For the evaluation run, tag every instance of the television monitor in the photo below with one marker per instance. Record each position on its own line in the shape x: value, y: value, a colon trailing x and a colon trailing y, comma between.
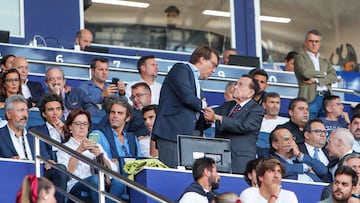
x: 4, y: 36
x: 191, y: 148
x: 247, y: 61
x: 97, y: 49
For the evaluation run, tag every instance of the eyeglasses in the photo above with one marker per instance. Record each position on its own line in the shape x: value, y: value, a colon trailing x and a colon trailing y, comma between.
x: 79, y: 123
x: 213, y: 63
x: 286, y: 138
x: 137, y: 96
x: 12, y: 80
x: 318, y: 131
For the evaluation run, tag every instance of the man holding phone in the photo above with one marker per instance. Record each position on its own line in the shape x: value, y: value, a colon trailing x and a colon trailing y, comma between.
x: 97, y: 88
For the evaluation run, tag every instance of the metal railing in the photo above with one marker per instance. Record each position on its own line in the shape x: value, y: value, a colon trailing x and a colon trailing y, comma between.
x: 102, y: 171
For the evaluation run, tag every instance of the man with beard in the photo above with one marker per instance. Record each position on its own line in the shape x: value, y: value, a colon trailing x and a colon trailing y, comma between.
x: 261, y: 77
x: 73, y: 97
x: 206, y: 180
x: 117, y: 143
x: 148, y: 70
x: 299, y: 166
x: 353, y: 161
x: 354, y: 127
x: 299, y: 114
x: 15, y: 142
x: 344, y: 184
x: 271, y: 119
x: 268, y: 173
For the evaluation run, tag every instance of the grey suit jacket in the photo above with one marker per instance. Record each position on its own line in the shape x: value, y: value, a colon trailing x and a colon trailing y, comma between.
x: 304, y: 69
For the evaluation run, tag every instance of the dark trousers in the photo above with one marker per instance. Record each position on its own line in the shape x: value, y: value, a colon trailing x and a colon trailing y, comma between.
x: 167, y: 152
x: 59, y: 179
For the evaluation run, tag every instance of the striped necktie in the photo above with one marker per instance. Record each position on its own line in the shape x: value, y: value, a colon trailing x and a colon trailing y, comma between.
x: 236, y: 109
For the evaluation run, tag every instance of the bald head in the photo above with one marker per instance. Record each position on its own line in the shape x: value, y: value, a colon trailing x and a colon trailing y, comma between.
x: 84, y: 38
x: 20, y: 63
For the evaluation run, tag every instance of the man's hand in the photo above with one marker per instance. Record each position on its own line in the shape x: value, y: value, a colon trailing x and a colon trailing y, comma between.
x: 109, y: 90
x: 48, y: 166
x: 209, y: 115
x: 310, y: 81
x: 121, y: 87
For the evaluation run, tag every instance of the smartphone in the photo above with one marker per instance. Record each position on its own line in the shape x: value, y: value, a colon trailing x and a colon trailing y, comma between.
x: 94, y: 137
x: 115, y: 81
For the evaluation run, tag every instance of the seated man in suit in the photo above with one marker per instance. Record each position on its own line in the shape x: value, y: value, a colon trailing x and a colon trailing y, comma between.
x: 32, y: 90
x: 140, y: 97
x: 51, y: 110
x: 315, y: 141
x: 239, y: 121
x: 299, y: 166
x: 340, y: 143
x: 73, y: 97
x: 15, y: 142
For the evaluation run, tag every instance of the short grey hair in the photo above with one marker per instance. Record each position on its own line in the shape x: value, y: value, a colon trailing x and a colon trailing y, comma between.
x: 53, y: 68
x: 9, y: 102
x: 353, y: 155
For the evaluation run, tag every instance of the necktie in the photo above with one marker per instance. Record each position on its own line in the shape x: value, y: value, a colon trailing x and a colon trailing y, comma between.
x: 316, y: 153
x: 23, y: 142
x: 235, y: 110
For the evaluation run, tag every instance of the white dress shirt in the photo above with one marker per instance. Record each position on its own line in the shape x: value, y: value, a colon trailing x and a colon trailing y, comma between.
x: 18, y: 144
x: 82, y: 170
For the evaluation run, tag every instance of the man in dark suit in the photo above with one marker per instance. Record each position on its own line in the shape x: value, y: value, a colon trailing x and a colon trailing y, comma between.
x: 299, y: 166
x: 32, y: 90
x: 181, y: 103
x: 315, y: 141
x: 15, y: 142
x: 314, y: 74
x: 240, y: 121
x: 51, y: 109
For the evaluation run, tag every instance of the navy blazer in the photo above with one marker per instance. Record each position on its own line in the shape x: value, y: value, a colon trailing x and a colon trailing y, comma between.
x: 178, y: 104
x: 242, y: 130
x: 7, y: 149
x: 45, y: 149
x: 293, y: 170
x: 37, y: 91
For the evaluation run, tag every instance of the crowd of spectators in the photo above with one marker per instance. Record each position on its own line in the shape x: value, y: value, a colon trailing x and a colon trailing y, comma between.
x: 143, y: 118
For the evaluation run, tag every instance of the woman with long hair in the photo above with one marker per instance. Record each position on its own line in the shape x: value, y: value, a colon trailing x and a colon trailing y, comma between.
x: 9, y: 85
